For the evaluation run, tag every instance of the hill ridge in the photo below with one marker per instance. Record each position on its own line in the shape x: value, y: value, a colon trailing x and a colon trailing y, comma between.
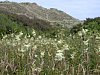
x: 32, y: 10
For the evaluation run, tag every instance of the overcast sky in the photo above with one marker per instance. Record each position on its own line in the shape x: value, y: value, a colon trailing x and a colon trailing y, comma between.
x: 80, y: 9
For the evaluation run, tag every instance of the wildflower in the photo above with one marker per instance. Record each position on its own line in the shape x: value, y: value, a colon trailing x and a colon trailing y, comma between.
x: 59, y: 55
x: 13, y: 44
x: 36, y: 55
x: 17, y: 37
x: 5, y: 37
x: 20, y: 34
x: 99, y: 49
x: 96, y: 71
x: 56, y: 36
x: 55, y: 39
x: 21, y: 50
x: 12, y: 35
x: 38, y: 69
x: 73, y: 55
x: 60, y: 41
x: 97, y: 37
x: 27, y: 45
x: 70, y: 35
x: 84, y: 31
x: 8, y: 42
x: 80, y: 33
x: 26, y: 40
x: 28, y: 36
x: 35, y: 47
x: 59, y: 51
x: 39, y: 37
x: 42, y: 54
x: 31, y: 39
x: 86, y: 42
x: 34, y: 33
x: 86, y: 50
x: 65, y: 47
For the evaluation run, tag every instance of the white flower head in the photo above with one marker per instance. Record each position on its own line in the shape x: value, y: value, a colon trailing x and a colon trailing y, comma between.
x: 27, y: 45
x: 4, y: 37
x: 38, y: 69
x: 42, y: 54
x: 34, y: 33
x: 8, y: 43
x: 17, y: 37
x: 59, y: 51
x: 55, y: 39
x: 40, y: 37
x: 59, y: 55
x: 20, y: 34
x: 97, y: 37
x: 86, y: 42
x: 80, y: 33
x: 21, y: 50
x: 28, y: 36
x: 86, y: 50
x: 99, y: 48
x: 84, y: 31
x: 66, y: 47
x: 12, y: 35
x: 35, y: 47
x: 73, y: 55
x: 60, y: 41
x: 36, y: 55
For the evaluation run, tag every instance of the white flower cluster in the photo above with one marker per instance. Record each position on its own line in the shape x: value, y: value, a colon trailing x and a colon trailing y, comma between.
x: 73, y: 55
x: 83, y: 32
x: 86, y: 42
x: 65, y: 47
x: 33, y: 32
x: 18, y: 36
x: 99, y: 48
x: 59, y: 55
x: 60, y: 41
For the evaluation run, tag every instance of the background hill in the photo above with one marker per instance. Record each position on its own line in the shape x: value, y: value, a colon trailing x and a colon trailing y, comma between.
x: 32, y: 10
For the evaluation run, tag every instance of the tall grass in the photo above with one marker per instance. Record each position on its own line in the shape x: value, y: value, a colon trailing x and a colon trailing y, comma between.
x: 77, y: 54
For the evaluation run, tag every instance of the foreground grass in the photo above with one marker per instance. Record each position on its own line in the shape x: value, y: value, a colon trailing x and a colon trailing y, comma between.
x: 77, y: 54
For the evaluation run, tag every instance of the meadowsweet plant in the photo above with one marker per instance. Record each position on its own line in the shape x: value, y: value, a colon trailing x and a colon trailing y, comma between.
x: 37, y: 54
x: 59, y: 55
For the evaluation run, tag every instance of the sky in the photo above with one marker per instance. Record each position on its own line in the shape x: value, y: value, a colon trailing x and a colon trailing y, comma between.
x: 80, y: 9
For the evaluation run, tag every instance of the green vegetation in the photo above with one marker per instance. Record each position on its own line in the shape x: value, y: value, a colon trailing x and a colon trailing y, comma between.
x: 12, y: 23
x: 45, y: 51
x: 92, y: 24
x: 8, y: 26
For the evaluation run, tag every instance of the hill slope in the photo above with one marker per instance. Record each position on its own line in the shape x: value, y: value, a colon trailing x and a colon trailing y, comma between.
x: 31, y: 10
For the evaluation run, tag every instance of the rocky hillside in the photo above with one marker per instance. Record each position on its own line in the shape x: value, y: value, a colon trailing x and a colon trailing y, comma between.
x: 32, y: 10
